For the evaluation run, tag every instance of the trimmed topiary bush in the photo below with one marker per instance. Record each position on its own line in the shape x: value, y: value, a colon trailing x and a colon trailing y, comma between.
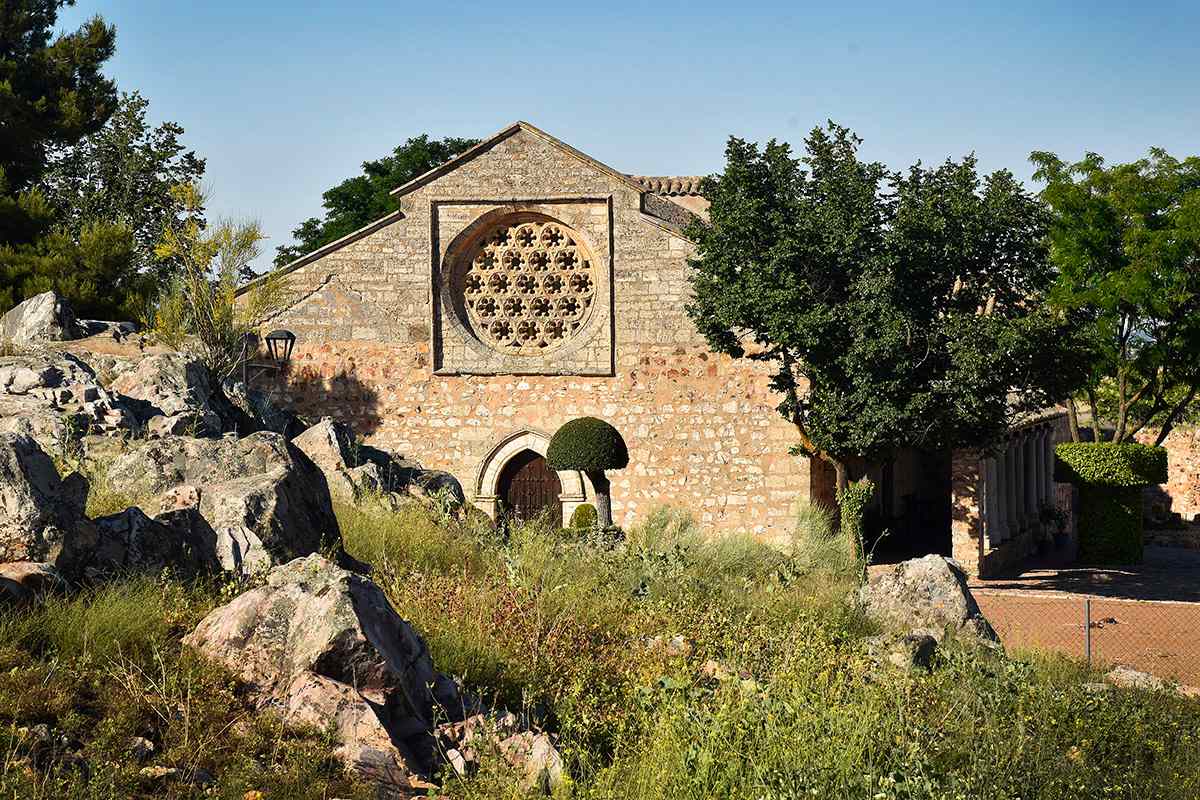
x: 1110, y: 478
x: 1110, y: 464
x: 590, y: 446
x: 584, y: 517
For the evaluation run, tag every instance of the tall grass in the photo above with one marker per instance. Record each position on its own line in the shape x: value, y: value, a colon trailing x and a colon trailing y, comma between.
x: 672, y: 664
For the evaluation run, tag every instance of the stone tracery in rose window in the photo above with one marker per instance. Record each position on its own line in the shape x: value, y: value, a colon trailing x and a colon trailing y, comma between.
x: 528, y: 286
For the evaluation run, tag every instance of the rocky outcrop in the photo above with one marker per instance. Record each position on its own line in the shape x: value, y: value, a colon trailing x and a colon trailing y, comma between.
x: 43, y: 318
x: 322, y: 645
x: 263, y: 500
x: 353, y: 469
x: 170, y: 393
x: 927, y: 593
x: 56, y: 398
x: 247, y: 410
x: 39, y: 512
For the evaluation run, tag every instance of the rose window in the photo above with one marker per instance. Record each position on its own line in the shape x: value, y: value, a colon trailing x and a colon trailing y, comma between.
x: 527, y: 286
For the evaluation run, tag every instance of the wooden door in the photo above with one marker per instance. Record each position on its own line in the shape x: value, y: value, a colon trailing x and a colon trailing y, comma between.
x: 528, y: 487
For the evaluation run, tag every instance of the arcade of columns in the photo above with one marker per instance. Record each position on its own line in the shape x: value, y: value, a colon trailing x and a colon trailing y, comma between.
x: 1016, y: 483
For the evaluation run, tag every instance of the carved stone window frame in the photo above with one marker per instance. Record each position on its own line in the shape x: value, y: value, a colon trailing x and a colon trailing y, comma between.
x: 455, y: 227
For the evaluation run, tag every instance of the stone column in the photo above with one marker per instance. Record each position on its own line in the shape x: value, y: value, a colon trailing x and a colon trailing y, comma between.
x: 991, y: 505
x: 966, y: 510
x: 1032, y: 476
x: 1019, y: 481
x: 1000, y: 470
x: 1037, y: 464
x: 1048, y: 456
x: 1010, y: 489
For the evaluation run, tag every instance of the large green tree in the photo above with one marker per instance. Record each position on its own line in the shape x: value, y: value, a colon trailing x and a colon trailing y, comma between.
x: 360, y: 200
x: 1126, y: 243
x: 898, y: 309
x: 52, y: 94
x: 124, y: 173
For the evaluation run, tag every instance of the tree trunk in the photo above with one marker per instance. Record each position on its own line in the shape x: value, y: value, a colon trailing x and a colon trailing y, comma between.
x: 1095, y: 409
x: 603, y: 499
x: 843, y: 481
x: 1073, y: 419
x: 1169, y: 423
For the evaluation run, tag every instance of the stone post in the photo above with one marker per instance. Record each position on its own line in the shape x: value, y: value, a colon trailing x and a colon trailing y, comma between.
x: 966, y: 501
x: 1019, y: 482
x: 991, y: 505
x: 1010, y: 489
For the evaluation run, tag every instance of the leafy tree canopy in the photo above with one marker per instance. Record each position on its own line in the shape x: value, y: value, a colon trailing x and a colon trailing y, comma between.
x: 899, y: 309
x: 1126, y: 242
x: 124, y: 173
x: 360, y: 200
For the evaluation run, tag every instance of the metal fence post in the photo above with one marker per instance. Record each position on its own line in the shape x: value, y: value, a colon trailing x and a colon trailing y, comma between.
x: 1087, y: 629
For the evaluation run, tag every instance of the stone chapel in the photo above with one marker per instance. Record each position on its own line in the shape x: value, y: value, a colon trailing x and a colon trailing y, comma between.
x: 523, y: 284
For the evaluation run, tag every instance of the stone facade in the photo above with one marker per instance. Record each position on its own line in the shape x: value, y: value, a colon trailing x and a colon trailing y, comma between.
x: 387, y: 342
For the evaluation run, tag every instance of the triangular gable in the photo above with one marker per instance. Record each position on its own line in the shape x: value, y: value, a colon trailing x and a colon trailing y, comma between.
x: 501, y: 135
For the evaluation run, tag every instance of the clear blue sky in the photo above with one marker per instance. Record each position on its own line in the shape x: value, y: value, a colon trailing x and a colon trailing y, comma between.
x: 287, y: 98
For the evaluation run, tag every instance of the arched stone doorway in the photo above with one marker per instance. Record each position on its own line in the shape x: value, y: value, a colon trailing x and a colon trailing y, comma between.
x: 490, y: 491
x: 528, y: 487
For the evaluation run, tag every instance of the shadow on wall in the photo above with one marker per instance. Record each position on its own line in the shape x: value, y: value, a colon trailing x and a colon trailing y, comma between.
x: 306, y: 391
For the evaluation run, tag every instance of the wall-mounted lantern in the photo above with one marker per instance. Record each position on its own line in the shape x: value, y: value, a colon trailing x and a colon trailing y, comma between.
x: 279, y: 344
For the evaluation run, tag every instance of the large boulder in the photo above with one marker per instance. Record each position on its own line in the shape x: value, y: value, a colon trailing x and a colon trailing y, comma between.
x: 263, y: 500
x: 131, y: 541
x: 39, y: 512
x: 323, y: 646
x: 171, y: 391
x: 43, y: 318
x: 928, y: 593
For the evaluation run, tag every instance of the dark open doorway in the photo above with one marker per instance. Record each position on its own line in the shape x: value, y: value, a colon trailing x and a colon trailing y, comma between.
x: 528, y: 487
x: 912, y: 512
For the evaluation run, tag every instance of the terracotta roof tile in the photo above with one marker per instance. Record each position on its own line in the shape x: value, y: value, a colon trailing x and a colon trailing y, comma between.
x: 669, y: 184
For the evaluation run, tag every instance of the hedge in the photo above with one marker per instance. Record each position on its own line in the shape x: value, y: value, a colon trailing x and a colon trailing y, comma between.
x: 1110, y: 478
x: 587, y: 444
x: 1110, y: 464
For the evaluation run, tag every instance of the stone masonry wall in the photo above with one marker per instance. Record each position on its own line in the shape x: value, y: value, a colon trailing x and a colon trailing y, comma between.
x: 702, y: 430
x: 1181, y: 493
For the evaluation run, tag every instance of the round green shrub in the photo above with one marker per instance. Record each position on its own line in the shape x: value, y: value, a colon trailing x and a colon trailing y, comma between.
x: 587, y: 444
x: 1109, y: 464
x: 584, y: 517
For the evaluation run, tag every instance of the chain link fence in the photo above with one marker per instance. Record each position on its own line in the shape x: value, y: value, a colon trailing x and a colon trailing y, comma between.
x: 1158, y: 637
